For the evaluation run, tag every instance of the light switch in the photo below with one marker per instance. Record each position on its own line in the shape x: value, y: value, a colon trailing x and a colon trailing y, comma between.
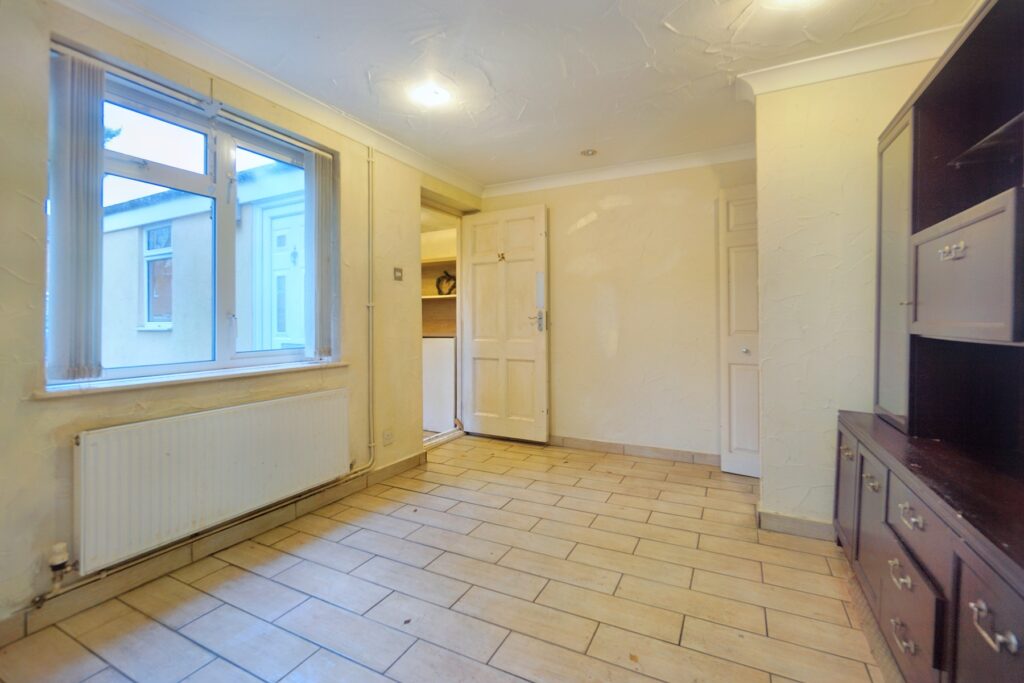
x: 399, y: 274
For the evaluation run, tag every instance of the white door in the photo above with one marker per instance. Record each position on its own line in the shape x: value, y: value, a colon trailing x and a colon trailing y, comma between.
x: 738, y: 331
x: 503, y: 300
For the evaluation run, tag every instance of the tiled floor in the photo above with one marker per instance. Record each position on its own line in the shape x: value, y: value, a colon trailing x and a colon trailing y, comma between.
x: 493, y: 562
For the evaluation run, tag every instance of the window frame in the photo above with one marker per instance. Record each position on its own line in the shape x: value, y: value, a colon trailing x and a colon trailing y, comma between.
x: 224, y: 133
x: 149, y: 255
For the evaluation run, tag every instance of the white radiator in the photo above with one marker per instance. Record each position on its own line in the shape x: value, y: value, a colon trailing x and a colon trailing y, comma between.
x: 140, y: 486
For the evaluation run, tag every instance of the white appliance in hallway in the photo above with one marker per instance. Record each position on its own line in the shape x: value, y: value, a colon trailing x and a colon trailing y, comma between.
x: 438, y: 384
x: 504, y: 362
x: 738, y: 331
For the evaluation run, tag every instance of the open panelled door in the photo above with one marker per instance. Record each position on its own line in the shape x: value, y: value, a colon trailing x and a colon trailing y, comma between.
x: 503, y: 299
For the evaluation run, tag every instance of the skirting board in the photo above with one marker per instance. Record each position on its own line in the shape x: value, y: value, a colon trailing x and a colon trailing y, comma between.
x: 90, y: 593
x: 632, y: 449
x: 797, y: 526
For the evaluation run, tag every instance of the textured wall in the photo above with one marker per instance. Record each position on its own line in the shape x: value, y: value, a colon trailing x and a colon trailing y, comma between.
x: 35, y: 433
x: 634, y: 308
x: 816, y: 176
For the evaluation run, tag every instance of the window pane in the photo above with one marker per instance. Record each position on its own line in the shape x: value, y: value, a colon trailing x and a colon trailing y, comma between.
x: 158, y: 275
x: 270, y: 252
x: 153, y: 139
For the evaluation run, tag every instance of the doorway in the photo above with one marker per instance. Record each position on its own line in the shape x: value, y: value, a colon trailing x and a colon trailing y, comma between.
x: 439, y: 233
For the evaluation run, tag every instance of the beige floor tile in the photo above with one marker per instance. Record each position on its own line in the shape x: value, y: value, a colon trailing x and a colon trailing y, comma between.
x: 686, y: 539
x: 696, y: 479
x: 542, y: 662
x: 449, y: 629
x: 432, y: 500
x: 330, y: 509
x: 504, y: 580
x: 410, y: 484
x: 477, y: 548
x: 725, y: 611
x: 170, y: 601
x: 726, y: 517
x: 477, y: 466
x: 799, y: 543
x: 65, y: 661
x: 656, y: 505
x: 840, y: 567
x: 451, y: 479
x: 220, y: 671
x: 785, y: 659
x: 502, y: 517
x: 350, y: 635
x: 617, y: 611
x: 332, y: 586
x: 783, y: 599
x: 809, y: 582
x: 252, y: 644
x: 323, y: 527
x: 333, y: 555
x: 530, y: 618
x: 426, y: 663
x: 736, y: 496
x: 521, y: 494
x: 440, y: 469
x: 702, y: 526
x: 700, y: 559
x: 519, y: 463
x: 574, y: 573
x: 385, y: 524
x: 838, y: 640
x: 394, y: 548
x: 571, y: 491
x: 114, y: 676
x: 475, y: 497
x: 764, y: 553
x: 707, y: 503
x: 580, y: 534
x: 526, y: 540
x: 441, y: 520
x: 197, y: 570
x: 605, y: 509
x: 544, y: 477
x: 257, y: 558
x: 370, y: 503
x: 495, y: 478
x: 94, y: 617
x: 628, y: 471
x: 440, y: 590
x: 144, y: 649
x: 668, y: 662
x: 558, y: 514
x: 612, y: 487
x: 583, y: 471
x: 274, y: 535
x: 247, y: 591
x: 327, y: 667
x: 669, y: 486
x: 643, y: 567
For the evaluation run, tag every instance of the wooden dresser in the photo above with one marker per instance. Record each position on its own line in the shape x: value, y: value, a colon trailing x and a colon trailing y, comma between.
x: 930, y: 487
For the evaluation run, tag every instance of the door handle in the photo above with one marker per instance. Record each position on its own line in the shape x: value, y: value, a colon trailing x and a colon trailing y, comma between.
x: 996, y: 641
x: 540, y: 320
x: 745, y: 350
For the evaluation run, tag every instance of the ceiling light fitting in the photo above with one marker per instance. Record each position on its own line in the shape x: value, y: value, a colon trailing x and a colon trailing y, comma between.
x: 588, y: 152
x: 429, y: 94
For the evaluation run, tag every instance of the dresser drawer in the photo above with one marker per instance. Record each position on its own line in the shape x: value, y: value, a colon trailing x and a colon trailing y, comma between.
x: 874, y: 538
x: 847, y: 476
x: 967, y: 272
x: 911, y: 616
x: 931, y: 541
x: 990, y: 627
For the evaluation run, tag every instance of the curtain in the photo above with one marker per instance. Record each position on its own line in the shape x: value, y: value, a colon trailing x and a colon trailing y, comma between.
x: 75, y: 229
x: 324, y: 235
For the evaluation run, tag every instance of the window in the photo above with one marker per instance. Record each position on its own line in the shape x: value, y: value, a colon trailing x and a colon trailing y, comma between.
x: 180, y: 240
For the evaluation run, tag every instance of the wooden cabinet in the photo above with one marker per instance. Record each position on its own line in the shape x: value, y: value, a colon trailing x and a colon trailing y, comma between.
x: 928, y: 541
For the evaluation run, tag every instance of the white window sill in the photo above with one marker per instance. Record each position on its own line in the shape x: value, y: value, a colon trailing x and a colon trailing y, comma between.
x: 155, y: 327
x: 102, y: 386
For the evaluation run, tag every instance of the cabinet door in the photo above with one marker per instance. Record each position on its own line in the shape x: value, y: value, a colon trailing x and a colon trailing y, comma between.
x: 875, y: 542
x: 894, y: 222
x: 846, y: 493
x: 990, y: 627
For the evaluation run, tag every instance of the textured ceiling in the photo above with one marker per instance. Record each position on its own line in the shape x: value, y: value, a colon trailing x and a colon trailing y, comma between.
x: 535, y: 81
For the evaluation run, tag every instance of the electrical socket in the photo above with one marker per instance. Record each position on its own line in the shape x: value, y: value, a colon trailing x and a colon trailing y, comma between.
x: 389, y: 437
x: 399, y: 274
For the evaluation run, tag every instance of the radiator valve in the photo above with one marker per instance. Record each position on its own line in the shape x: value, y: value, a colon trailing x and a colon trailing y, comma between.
x: 60, y: 564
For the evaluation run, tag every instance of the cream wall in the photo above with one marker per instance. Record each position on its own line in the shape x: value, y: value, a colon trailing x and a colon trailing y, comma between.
x: 36, y: 434
x: 634, y: 309
x: 816, y: 176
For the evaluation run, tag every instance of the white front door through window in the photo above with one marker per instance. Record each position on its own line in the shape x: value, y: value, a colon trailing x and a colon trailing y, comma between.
x: 503, y: 295
x: 738, y: 331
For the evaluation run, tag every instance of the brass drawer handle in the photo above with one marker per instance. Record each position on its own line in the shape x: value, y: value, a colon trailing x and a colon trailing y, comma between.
x: 997, y: 641
x: 906, y: 646
x: 909, y: 519
x: 899, y: 581
x: 846, y: 452
x: 871, y: 482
